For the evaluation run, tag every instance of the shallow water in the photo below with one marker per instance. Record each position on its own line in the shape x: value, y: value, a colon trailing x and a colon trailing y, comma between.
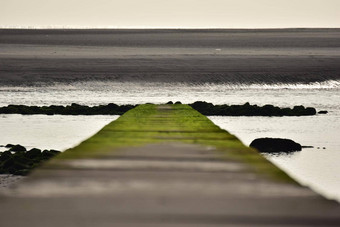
x: 49, y: 132
x: 103, y: 92
x: 317, y: 168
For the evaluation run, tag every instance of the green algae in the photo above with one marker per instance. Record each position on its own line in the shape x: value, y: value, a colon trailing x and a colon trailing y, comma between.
x: 147, y: 124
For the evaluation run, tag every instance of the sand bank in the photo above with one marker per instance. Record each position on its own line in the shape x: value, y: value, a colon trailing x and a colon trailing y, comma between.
x: 229, y: 56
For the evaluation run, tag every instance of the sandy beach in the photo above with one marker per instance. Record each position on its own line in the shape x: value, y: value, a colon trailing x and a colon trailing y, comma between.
x: 195, y: 56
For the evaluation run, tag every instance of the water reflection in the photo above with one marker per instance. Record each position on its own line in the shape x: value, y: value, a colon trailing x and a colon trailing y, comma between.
x: 279, y: 154
x: 99, y: 92
x: 313, y: 167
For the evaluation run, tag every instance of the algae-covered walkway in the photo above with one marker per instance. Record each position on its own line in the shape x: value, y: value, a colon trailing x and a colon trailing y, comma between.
x: 164, y: 165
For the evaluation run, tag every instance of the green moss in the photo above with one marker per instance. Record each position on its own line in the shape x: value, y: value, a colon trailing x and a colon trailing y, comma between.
x: 150, y: 123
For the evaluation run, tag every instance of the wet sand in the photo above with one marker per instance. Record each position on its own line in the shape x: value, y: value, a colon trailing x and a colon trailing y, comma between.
x: 8, y: 180
x: 194, y: 56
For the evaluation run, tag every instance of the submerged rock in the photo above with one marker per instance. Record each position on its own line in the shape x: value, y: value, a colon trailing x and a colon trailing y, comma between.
x: 272, y: 145
x: 323, y: 112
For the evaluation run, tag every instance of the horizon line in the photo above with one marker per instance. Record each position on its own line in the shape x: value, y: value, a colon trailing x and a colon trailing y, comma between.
x: 160, y: 28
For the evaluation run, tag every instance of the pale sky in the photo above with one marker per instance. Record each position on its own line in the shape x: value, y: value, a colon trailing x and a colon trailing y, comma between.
x: 170, y: 13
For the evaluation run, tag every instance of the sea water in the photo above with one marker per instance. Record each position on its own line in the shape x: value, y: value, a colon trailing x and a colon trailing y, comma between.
x: 315, y: 167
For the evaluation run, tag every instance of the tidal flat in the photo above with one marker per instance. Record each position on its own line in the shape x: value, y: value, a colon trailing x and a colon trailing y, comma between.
x: 173, y: 55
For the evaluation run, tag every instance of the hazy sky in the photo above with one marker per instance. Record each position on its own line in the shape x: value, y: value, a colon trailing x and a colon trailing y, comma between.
x: 170, y: 13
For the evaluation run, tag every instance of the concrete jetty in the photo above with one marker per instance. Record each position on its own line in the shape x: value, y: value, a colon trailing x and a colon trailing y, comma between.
x: 163, y: 165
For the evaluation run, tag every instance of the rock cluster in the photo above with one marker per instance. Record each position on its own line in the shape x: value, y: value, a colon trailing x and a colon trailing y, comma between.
x: 250, y: 110
x: 204, y: 108
x: 73, y: 109
x: 18, y: 161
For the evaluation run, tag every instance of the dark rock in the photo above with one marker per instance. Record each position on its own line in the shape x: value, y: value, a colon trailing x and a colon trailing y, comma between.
x: 205, y: 108
x: 17, y: 148
x: 5, y: 156
x: 33, y: 153
x: 202, y: 107
x: 73, y: 109
x: 178, y: 102
x: 9, y: 145
x: 310, y: 111
x: 169, y: 103
x: 270, y: 145
x: 8, y: 163
x: 55, y: 152
x: 21, y: 162
x: 250, y: 110
x: 46, y: 154
x: 16, y: 166
x: 323, y: 112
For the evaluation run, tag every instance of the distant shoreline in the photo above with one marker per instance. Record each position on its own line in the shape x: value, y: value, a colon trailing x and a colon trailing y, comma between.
x: 176, y: 29
x: 293, y: 55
